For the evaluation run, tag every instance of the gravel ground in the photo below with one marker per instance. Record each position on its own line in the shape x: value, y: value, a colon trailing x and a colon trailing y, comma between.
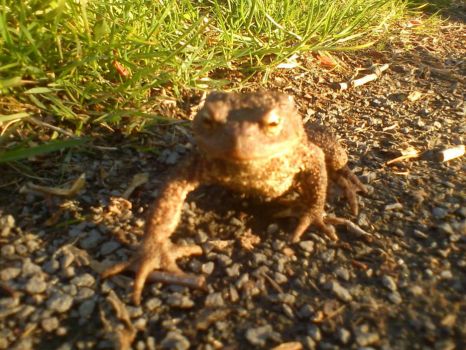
x: 401, y: 288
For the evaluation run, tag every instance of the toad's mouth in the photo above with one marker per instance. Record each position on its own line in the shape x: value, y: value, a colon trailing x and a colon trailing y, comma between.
x: 249, y: 152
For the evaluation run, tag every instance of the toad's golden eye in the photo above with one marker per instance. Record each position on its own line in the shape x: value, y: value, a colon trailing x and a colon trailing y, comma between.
x: 272, y: 121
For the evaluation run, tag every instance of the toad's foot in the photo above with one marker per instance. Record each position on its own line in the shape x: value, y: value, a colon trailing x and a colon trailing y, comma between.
x: 350, y: 184
x: 316, y: 220
x: 155, y: 255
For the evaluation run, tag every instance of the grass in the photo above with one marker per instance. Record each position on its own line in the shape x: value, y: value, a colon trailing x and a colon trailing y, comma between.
x: 80, y: 65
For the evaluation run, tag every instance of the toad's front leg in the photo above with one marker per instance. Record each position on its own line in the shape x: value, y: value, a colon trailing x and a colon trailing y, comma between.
x: 157, y: 252
x: 313, y: 183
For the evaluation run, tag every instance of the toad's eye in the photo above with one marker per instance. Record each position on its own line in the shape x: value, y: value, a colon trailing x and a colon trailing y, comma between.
x: 212, y: 115
x: 272, y: 121
x: 207, y: 119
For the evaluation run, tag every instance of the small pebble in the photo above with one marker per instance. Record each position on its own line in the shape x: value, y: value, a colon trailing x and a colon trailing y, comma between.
x: 446, y: 228
x: 9, y: 273
x: 328, y: 256
x: 140, y: 324
x: 439, y: 213
x: 50, y: 324
x: 339, y: 291
x: 394, y: 206
x: 134, y: 311
x: 314, y: 332
x: 60, y: 302
x: 153, y: 304
x: 365, y: 338
x: 446, y: 275
x: 208, y: 267
x: 109, y: 247
x: 91, y: 241
x: 36, y: 285
x: 343, y: 335
x: 21, y: 249
x: 342, y: 273
x: 258, y: 336
x: 214, y: 300
x: 84, y: 280
x: 175, y: 341
x: 85, y: 293
x: 307, y: 246
x: 280, y: 278
x: 233, y: 270
x: 51, y: 266
x: 395, y: 298
x: 309, y: 343
x: 30, y: 269
x: 180, y: 300
x: 288, y: 311
x: 69, y: 272
x: 87, y: 308
x: 234, y: 296
x: 306, y: 311
x: 389, y: 283
x: 259, y: 258
x: 67, y: 259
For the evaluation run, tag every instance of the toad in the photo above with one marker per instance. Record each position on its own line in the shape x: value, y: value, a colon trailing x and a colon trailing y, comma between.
x: 254, y: 143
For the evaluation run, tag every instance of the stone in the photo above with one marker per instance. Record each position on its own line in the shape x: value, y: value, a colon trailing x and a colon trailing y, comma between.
x: 36, y: 285
x: 49, y: 324
x: 389, y: 283
x: 339, y: 291
x: 258, y: 336
x: 175, y: 341
x: 60, y: 302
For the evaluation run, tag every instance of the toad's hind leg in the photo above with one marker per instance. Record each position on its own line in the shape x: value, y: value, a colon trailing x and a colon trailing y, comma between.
x: 336, y: 160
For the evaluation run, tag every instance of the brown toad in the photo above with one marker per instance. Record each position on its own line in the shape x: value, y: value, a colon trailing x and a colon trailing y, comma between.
x: 254, y: 143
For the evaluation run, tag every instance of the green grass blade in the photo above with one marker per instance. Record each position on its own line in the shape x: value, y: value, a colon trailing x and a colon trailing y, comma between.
x: 27, y: 152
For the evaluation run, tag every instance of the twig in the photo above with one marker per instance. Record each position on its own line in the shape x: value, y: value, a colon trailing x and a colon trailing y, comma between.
x: 376, y: 73
x: 187, y: 280
x: 407, y: 154
x: 331, y: 315
x: 359, y: 264
x: 50, y: 126
x: 274, y: 284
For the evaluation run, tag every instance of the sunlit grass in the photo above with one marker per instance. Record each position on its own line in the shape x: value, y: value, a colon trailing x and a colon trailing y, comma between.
x: 83, y: 62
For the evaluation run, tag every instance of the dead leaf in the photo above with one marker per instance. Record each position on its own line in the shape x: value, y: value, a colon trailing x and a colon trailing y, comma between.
x: 413, y: 23
x: 327, y: 61
x: 122, y: 70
